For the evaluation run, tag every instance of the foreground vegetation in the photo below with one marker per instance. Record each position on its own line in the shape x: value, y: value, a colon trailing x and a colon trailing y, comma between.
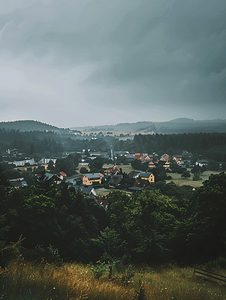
x: 76, y: 281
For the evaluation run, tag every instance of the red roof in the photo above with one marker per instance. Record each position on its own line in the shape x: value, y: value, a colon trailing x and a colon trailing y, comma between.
x: 63, y: 174
x: 137, y: 155
x: 103, y: 202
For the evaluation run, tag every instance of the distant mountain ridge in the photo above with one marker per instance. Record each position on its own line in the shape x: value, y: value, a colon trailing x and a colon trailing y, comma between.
x: 179, y: 125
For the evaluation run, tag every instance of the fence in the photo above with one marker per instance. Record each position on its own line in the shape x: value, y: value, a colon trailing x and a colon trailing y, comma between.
x: 210, y: 275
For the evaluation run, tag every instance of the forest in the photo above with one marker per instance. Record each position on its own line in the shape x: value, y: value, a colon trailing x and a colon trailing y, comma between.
x: 163, y: 223
x: 209, y: 145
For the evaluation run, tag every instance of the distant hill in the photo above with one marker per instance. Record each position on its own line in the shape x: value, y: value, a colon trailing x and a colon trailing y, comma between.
x: 28, y: 125
x: 185, y: 125
x: 180, y: 125
x: 139, y: 126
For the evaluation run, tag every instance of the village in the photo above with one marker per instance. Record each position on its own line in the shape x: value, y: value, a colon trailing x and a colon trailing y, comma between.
x: 98, y: 173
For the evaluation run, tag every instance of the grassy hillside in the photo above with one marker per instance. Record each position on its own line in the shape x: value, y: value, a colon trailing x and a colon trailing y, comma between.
x: 75, y: 281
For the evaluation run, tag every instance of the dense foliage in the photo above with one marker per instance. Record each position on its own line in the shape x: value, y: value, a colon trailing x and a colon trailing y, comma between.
x: 162, y: 223
x: 47, y: 142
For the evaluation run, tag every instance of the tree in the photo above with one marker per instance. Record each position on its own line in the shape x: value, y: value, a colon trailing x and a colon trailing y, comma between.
x: 83, y: 170
x: 213, y: 165
x: 66, y: 165
x: 96, y: 164
x: 160, y: 173
x: 207, y: 222
x: 196, y: 177
x: 196, y: 169
x: 51, y: 166
x: 186, y: 174
x: 114, y: 247
x: 32, y: 149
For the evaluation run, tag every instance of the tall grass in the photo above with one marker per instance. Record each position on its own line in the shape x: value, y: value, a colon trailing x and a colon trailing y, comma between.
x: 75, y: 281
x: 71, y: 281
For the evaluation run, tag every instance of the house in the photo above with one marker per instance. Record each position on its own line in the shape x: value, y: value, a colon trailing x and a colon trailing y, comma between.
x: 145, y: 157
x: 49, y: 177
x: 114, y: 170
x: 22, y: 163
x: 202, y: 162
x: 134, y: 174
x: 164, y: 157
x: 151, y: 165
x: 46, y: 161
x: 92, y: 178
x: 129, y: 158
x: 166, y: 165
x: 86, y: 189
x: 18, y: 183
x: 26, y: 168
x: 103, y: 203
x: 62, y: 175
x: 77, y: 180
x: 147, y: 176
x: 177, y: 158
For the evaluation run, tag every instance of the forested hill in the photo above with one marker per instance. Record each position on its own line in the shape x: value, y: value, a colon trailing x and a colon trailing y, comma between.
x: 28, y: 125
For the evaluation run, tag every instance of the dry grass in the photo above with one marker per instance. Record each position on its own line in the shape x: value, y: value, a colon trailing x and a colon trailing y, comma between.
x: 75, y: 281
x: 26, y: 281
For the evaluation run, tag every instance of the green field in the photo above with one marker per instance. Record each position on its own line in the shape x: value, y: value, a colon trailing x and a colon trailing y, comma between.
x: 182, y: 181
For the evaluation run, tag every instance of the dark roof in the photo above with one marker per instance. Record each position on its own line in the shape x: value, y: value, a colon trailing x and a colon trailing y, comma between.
x: 115, y: 179
x: 92, y: 175
x: 145, y: 174
x: 18, y: 182
x: 87, y: 189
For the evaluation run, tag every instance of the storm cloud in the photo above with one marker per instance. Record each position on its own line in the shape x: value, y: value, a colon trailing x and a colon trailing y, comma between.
x: 93, y: 62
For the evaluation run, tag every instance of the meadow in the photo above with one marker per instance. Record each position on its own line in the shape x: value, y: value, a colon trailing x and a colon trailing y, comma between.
x: 176, y: 178
x: 76, y: 281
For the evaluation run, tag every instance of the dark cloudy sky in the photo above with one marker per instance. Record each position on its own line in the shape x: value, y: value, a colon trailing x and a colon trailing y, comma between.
x: 92, y: 62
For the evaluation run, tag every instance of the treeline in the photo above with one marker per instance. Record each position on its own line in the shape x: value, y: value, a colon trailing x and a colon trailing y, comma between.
x: 211, y: 145
x: 162, y: 223
x: 46, y: 142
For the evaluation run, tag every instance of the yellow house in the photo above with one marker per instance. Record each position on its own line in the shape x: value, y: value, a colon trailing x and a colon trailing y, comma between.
x: 147, y: 176
x: 92, y: 178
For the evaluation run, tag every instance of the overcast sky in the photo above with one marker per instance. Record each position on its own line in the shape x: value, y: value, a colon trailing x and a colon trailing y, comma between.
x: 92, y: 62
